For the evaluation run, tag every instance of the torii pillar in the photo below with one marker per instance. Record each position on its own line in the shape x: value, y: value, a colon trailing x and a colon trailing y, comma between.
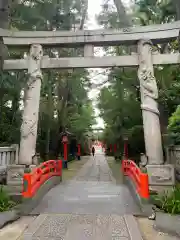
x: 27, y: 152
x: 159, y: 173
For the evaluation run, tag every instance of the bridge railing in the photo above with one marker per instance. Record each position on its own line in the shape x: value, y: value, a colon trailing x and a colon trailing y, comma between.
x: 139, y: 178
x: 32, y: 181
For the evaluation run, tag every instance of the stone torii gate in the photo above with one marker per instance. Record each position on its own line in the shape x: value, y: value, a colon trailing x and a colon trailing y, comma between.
x: 144, y: 59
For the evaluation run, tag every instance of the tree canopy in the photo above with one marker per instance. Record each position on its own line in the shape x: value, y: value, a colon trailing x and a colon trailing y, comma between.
x: 64, y: 100
x: 119, y: 103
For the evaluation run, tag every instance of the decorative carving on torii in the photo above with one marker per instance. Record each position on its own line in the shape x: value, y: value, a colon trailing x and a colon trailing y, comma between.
x: 149, y: 90
x: 148, y: 83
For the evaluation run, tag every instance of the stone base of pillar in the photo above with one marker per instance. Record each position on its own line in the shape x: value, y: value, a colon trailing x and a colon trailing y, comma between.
x: 161, y: 176
x: 15, y: 178
x: 15, y: 174
x: 3, y: 175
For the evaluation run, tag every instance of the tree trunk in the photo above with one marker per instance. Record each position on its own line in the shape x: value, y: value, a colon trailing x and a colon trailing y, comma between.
x: 125, y: 21
x: 49, y: 117
x: 4, y: 23
x: 48, y: 131
x: 84, y: 14
x: 176, y: 4
x: 4, y: 13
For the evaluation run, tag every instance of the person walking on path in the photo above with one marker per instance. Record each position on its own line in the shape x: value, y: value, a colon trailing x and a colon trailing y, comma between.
x: 93, y: 151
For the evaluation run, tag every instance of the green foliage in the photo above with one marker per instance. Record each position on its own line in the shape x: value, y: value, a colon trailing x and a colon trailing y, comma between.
x: 82, y: 121
x: 169, y: 202
x: 5, y: 202
x: 119, y: 103
x: 10, y: 86
x: 154, y: 11
x: 64, y: 102
x: 119, y: 106
x: 174, y: 127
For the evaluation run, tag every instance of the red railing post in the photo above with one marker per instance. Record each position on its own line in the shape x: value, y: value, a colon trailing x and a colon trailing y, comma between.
x: 27, y: 185
x: 33, y: 181
x: 59, y: 169
x: 140, y: 179
x: 144, y: 185
x: 65, y: 162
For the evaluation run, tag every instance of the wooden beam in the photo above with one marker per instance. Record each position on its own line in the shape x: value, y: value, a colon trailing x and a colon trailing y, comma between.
x: 156, y: 33
x: 92, y: 62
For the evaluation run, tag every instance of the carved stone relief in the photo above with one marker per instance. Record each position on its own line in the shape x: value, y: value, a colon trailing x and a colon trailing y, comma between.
x: 15, y: 174
x: 148, y: 83
x: 149, y: 90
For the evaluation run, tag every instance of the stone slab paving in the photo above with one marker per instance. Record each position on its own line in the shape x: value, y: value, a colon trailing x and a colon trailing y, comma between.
x: 83, y: 227
x: 14, y: 230
x: 91, y: 206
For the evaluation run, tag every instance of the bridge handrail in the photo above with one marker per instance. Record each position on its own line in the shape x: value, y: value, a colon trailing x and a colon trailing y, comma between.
x: 33, y: 180
x: 139, y: 178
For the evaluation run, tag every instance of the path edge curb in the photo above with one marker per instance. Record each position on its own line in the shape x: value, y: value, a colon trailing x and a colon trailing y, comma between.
x: 8, y: 217
x: 133, y: 228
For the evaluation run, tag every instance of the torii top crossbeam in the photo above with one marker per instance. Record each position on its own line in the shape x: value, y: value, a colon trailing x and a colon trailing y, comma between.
x: 90, y: 39
x: 156, y: 33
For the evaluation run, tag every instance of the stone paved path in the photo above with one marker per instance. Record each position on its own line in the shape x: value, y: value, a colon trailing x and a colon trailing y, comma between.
x: 91, y: 206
